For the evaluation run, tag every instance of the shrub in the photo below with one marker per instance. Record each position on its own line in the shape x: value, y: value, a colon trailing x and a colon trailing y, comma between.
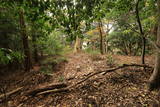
x: 52, y: 60
x: 46, y: 70
x: 110, y: 60
x: 8, y: 56
x: 61, y: 78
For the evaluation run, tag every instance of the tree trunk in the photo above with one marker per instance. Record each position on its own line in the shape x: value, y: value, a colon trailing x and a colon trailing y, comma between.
x: 142, y: 33
x: 77, y: 44
x: 27, y: 55
x: 106, y: 40
x: 154, y: 81
x: 81, y: 44
x: 34, y: 39
x: 143, y: 49
x: 106, y: 46
x: 102, y: 48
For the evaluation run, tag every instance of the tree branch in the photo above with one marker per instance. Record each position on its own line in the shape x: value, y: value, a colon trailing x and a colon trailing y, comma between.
x: 67, y: 89
x: 138, y: 18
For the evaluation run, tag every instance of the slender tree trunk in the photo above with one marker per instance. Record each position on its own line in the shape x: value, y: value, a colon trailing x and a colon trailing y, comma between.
x: 81, y: 44
x: 27, y: 58
x: 125, y: 49
x: 143, y: 49
x: 142, y: 33
x: 34, y: 39
x: 93, y: 45
x: 106, y: 46
x: 101, y: 38
x: 155, y: 77
x: 77, y: 44
x: 106, y: 40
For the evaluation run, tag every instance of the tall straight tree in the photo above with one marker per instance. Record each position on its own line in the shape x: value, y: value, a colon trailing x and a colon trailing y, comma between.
x: 101, y: 33
x: 27, y: 54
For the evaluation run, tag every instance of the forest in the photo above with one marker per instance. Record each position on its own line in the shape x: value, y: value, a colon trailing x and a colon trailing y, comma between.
x: 79, y: 53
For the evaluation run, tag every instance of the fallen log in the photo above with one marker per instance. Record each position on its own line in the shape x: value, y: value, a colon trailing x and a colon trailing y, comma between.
x: 68, y: 88
x: 6, y: 95
x: 46, y: 88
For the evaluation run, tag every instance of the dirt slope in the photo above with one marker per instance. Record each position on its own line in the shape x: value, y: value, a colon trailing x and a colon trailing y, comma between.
x: 123, y: 88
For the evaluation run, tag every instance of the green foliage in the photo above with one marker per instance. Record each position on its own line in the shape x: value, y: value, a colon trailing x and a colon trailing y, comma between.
x: 110, y: 60
x: 46, y: 70
x: 92, y: 52
x: 61, y: 59
x: 55, y: 61
x: 53, y: 45
x: 8, y: 56
x: 10, y: 44
x: 61, y: 78
x: 125, y: 42
x: 50, y: 62
x: 51, y: 26
x: 9, y: 31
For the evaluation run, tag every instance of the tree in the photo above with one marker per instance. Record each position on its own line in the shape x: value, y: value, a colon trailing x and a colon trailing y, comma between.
x: 100, y: 12
x: 101, y: 34
x: 154, y: 81
x: 29, y: 12
x: 124, y: 41
x: 141, y: 32
x: 10, y: 44
x: 68, y: 16
x: 27, y: 53
x: 71, y: 14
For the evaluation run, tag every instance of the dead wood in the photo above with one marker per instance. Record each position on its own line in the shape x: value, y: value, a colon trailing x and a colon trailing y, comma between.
x: 55, y: 91
x: 46, y: 88
x: 68, y: 88
x: 111, y: 70
x: 5, y: 95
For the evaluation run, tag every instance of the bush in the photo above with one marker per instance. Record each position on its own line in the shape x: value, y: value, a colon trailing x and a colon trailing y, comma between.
x: 46, y: 70
x: 53, y: 45
x: 91, y: 51
x: 52, y: 60
x: 61, y: 78
x: 110, y: 60
x: 95, y: 54
x: 124, y: 43
x: 8, y: 56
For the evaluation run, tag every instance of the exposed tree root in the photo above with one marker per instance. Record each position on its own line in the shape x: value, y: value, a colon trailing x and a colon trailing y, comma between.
x: 64, y: 88
x: 55, y: 91
x: 111, y: 70
x: 6, y: 95
x: 44, y: 88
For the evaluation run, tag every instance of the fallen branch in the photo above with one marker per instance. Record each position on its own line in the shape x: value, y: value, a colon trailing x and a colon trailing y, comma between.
x: 111, y: 70
x: 127, y: 65
x: 55, y: 91
x: 67, y: 89
x: 10, y: 93
x: 46, y: 88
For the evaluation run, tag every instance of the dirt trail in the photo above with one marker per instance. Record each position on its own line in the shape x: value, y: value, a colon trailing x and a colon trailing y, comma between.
x: 78, y: 65
x: 124, y: 88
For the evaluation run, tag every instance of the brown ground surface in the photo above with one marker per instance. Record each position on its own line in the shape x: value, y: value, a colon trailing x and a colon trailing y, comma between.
x: 123, y: 88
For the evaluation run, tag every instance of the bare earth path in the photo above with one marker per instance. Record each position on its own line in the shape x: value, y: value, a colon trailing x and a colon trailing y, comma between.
x: 124, y: 88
